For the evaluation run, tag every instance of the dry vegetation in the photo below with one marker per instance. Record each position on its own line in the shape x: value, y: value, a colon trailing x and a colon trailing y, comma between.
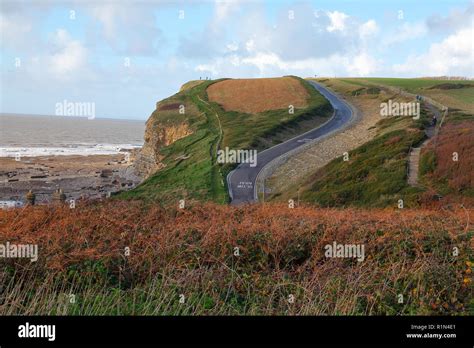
x: 459, y: 138
x: 441, y: 171
x: 192, y: 252
x: 258, y: 95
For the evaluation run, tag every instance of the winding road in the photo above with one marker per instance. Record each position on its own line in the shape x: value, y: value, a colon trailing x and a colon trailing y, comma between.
x: 242, y: 180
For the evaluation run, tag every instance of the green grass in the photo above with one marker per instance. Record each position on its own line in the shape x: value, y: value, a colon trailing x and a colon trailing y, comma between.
x: 427, y: 162
x: 191, y: 84
x: 454, y: 98
x: 197, y: 177
x: 200, y: 177
x: 458, y: 116
x: 411, y: 85
x: 376, y: 173
x: 448, y: 92
x: 465, y: 95
x: 256, y: 131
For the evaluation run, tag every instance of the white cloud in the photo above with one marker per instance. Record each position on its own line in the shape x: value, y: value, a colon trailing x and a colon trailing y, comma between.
x: 210, y: 68
x: 232, y: 46
x: 452, y: 56
x: 240, y: 39
x: 250, y: 45
x: 454, y: 20
x: 224, y: 8
x: 129, y: 28
x: 291, y: 40
x: 13, y: 28
x: 267, y: 64
x: 338, y: 20
x: 319, y: 42
x: 368, y: 28
x: 362, y: 65
x: 18, y: 24
x: 407, y: 31
x: 263, y: 60
x: 108, y: 14
x: 70, y: 55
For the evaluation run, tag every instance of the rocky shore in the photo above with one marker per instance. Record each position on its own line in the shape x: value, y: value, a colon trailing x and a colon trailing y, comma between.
x: 79, y: 177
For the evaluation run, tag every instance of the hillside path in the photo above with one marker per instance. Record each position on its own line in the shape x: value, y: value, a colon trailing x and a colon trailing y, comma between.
x: 414, y: 157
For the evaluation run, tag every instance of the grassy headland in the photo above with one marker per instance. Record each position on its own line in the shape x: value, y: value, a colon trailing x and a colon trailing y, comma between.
x: 189, y: 168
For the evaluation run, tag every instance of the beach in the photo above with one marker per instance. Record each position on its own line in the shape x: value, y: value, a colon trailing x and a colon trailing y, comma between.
x: 79, y: 177
x: 86, y: 159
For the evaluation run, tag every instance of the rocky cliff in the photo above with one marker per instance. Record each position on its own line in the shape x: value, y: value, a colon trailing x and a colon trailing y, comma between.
x: 159, y: 133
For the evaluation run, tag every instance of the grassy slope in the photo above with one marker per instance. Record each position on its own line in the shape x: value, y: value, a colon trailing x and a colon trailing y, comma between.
x: 413, y: 85
x: 376, y: 174
x: 461, y: 98
x: 199, y: 176
x: 196, y: 177
x: 191, y: 252
x: 439, y: 174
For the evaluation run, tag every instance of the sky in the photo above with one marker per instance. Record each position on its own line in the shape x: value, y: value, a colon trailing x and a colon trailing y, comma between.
x: 124, y: 56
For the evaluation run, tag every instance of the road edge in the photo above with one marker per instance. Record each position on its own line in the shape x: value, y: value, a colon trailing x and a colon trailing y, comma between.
x: 355, y: 117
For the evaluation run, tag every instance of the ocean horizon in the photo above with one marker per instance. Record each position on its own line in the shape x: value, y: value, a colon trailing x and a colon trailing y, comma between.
x: 43, y: 135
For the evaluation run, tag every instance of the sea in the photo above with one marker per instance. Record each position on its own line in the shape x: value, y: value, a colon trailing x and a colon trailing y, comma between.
x: 34, y: 135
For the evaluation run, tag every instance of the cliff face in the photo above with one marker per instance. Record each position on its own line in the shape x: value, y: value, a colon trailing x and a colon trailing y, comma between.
x: 158, y: 134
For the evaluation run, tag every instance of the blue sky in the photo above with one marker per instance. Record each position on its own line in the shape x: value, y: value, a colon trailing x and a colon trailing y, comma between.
x: 78, y: 50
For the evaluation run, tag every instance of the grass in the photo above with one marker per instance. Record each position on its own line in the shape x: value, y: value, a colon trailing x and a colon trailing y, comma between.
x: 376, y: 173
x: 412, y: 85
x: 190, y: 171
x: 189, y: 255
x: 465, y: 95
x: 439, y: 173
x: 427, y: 163
x: 439, y: 90
x: 191, y: 84
x: 190, y: 168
